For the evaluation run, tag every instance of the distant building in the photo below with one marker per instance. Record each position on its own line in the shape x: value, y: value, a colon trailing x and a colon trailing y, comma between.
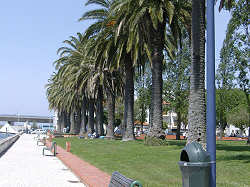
x: 171, y: 119
x: 140, y: 127
x: 231, y: 130
x: 7, y: 128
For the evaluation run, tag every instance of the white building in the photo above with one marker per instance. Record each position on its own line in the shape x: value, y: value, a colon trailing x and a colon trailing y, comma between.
x: 232, y: 130
x: 26, y: 125
x: 9, y: 129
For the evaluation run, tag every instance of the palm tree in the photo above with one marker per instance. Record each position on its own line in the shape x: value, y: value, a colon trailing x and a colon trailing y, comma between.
x: 59, y: 99
x: 225, y: 3
x: 106, y: 45
x: 99, y: 111
x: 147, y: 21
x: 197, y: 107
x: 84, y: 117
x: 71, y: 70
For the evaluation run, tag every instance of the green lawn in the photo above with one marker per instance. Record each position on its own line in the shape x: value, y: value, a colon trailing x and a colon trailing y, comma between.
x: 158, y: 166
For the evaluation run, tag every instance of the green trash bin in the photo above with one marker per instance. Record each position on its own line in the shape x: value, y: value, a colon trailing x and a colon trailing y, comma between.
x: 195, y: 166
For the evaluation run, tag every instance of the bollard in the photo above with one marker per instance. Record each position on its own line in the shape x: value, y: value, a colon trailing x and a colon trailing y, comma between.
x: 50, y: 137
x: 68, y: 146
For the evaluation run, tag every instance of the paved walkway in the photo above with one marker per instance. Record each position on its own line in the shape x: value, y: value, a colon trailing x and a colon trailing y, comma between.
x: 24, y: 166
x: 88, y: 174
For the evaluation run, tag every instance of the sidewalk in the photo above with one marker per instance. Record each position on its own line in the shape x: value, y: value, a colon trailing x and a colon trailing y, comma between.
x: 23, y: 165
x: 88, y: 174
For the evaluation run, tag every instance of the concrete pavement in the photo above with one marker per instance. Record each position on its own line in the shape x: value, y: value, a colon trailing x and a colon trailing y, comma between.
x: 23, y: 165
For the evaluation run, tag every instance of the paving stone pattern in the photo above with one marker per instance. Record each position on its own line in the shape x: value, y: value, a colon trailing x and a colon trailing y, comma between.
x: 23, y: 165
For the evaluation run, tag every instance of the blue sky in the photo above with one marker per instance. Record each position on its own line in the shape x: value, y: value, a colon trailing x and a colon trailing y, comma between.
x: 31, y: 32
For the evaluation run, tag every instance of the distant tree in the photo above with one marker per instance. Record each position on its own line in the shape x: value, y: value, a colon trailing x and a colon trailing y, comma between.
x: 225, y: 76
x: 143, y: 95
x: 34, y: 125
x: 176, y: 83
x: 239, y: 117
x: 226, y: 101
x: 237, y: 45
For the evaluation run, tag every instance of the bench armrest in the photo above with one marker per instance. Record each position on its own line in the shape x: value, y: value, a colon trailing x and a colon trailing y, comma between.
x: 136, y: 183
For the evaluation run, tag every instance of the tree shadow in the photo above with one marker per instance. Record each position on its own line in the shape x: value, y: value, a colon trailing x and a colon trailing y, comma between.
x: 240, y: 148
x: 179, y: 143
x: 239, y: 157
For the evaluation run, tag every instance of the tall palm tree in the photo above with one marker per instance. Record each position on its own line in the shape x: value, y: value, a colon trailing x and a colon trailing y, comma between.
x: 99, y: 111
x: 147, y: 21
x: 197, y: 107
x: 103, y: 32
x: 71, y: 70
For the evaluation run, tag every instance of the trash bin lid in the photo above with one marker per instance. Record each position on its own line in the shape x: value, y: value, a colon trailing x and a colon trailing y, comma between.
x: 194, y: 152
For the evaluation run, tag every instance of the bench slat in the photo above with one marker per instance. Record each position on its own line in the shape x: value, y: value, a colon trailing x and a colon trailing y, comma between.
x: 119, y: 180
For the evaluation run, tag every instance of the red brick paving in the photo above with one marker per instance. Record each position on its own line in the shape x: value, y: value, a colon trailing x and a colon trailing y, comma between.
x: 88, y: 174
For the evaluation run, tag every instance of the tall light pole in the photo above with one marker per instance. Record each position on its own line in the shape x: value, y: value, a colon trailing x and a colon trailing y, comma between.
x: 211, y: 111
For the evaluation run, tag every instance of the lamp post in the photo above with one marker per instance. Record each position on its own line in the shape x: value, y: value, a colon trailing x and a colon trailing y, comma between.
x: 211, y: 114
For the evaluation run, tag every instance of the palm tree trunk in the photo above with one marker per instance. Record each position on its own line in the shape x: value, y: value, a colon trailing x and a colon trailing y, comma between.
x: 84, y: 117
x: 156, y: 45
x: 64, y: 122
x: 72, y: 123
x: 129, y: 101
x: 91, y: 119
x: 59, y: 122
x: 157, y: 60
x: 151, y: 113
x: 78, y: 121
x: 222, y: 128
x: 221, y: 132
x: 99, y: 113
x: 197, y: 107
x: 67, y: 119
x: 111, y: 114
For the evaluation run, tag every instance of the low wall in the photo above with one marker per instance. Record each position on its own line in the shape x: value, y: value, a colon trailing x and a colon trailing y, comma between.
x: 7, y: 142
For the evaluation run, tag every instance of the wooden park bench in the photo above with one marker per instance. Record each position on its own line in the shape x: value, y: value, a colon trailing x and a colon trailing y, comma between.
x: 119, y: 180
x: 42, y: 140
x: 52, y: 148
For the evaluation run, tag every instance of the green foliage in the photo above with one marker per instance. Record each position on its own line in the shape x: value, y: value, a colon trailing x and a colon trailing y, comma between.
x: 239, y: 116
x: 226, y: 4
x: 236, y: 44
x: 143, y: 95
x: 165, y: 125
x: 176, y: 83
x: 154, y: 141
x: 234, y: 69
x: 226, y: 101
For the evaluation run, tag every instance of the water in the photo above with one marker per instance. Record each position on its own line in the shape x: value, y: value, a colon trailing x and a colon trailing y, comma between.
x: 4, y: 135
